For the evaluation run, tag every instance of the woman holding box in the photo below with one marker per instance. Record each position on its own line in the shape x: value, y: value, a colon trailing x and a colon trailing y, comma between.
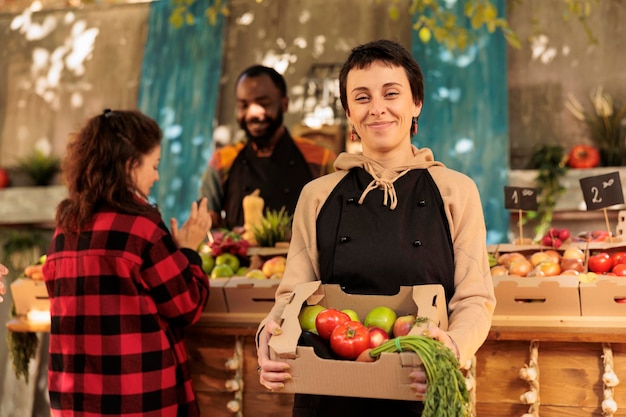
x: 391, y: 216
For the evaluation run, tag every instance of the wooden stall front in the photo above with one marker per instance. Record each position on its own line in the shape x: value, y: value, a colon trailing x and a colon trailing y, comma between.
x: 569, y: 353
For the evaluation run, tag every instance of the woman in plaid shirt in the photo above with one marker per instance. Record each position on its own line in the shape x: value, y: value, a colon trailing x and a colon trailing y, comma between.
x: 121, y: 286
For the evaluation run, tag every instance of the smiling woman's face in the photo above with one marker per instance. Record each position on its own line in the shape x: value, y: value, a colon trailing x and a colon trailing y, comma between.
x: 381, y: 107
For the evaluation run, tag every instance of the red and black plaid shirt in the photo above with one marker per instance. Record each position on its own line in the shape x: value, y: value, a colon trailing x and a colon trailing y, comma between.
x: 120, y: 294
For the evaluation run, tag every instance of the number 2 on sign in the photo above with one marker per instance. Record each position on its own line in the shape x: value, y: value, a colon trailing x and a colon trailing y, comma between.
x: 596, y: 195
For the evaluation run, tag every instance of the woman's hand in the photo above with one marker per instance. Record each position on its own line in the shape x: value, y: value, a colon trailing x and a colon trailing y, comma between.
x: 418, y: 381
x: 195, y: 229
x: 272, y: 374
x: 3, y: 290
x: 438, y: 334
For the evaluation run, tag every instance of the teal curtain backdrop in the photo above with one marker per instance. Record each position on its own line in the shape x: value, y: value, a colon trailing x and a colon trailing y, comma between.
x: 465, y: 115
x: 178, y: 88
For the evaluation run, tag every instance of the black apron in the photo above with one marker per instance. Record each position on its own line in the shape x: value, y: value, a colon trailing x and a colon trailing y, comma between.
x: 370, y: 249
x: 280, y: 178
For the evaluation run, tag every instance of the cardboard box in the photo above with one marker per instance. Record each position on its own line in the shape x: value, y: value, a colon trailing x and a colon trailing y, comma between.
x: 249, y: 295
x: 604, y: 297
x: 537, y: 296
x: 387, y: 377
x: 217, y: 298
x: 29, y: 295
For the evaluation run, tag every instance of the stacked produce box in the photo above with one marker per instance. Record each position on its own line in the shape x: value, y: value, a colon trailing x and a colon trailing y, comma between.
x: 243, y: 278
x: 579, y: 276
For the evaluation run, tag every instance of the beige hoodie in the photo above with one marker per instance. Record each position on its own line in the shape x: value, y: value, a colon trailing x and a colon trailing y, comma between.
x: 471, y: 308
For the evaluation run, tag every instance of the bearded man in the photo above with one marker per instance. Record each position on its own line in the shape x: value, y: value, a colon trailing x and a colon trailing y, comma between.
x: 270, y: 160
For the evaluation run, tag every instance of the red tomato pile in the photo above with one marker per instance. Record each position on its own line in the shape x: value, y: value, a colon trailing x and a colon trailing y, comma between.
x: 613, y: 264
x: 347, y: 336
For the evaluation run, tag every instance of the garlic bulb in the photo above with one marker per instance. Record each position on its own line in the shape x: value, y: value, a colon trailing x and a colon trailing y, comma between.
x: 528, y: 374
x: 529, y: 397
x: 609, y: 406
x: 610, y: 379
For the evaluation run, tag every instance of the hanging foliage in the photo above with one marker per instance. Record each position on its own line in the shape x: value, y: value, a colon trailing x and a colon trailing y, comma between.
x: 435, y: 20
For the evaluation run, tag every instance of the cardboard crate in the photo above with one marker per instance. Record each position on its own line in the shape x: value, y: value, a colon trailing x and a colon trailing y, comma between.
x: 537, y: 296
x: 608, y: 247
x: 217, y: 298
x: 604, y: 297
x: 387, y: 377
x: 249, y: 295
x: 29, y: 295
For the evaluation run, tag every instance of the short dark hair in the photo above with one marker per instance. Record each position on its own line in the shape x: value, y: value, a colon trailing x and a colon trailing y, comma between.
x: 389, y: 52
x: 258, y: 70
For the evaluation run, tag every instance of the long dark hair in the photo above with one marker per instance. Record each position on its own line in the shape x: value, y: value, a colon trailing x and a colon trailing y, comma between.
x: 389, y: 52
x: 96, y: 166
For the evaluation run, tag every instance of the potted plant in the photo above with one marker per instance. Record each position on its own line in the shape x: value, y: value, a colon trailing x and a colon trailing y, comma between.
x: 40, y: 167
x: 605, y: 125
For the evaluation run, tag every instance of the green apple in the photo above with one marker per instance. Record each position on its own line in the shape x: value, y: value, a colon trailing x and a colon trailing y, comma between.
x: 382, y: 316
x: 353, y: 314
x: 42, y: 259
x: 228, y: 259
x: 255, y: 274
x: 241, y: 272
x: 222, y: 271
x: 307, y: 317
x: 208, y: 262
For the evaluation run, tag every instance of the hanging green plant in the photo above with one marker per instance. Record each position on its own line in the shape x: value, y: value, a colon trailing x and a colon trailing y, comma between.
x: 22, y: 348
x: 23, y: 248
x: 550, y: 163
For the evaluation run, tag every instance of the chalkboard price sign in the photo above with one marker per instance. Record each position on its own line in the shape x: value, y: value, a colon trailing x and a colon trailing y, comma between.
x: 602, y: 191
x: 520, y: 198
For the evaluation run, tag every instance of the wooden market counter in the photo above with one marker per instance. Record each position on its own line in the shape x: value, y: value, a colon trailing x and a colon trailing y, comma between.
x: 569, y: 353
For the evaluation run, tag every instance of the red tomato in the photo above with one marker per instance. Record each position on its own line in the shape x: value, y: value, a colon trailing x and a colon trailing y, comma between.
x: 350, y: 339
x: 618, y: 258
x: 5, y: 181
x: 327, y: 320
x: 600, y: 263
x: 583, y: 156
x: 619, y: 270
x: 377, y: 336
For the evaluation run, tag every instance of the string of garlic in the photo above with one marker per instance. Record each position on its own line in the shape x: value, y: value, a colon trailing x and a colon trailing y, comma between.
x: 235, y: 384
x: 609, y: 381
x: 470, y: 383
x: 530, y: 373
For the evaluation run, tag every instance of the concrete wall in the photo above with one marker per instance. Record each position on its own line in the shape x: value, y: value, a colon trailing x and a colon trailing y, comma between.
x: 560, y: 60
x: 58, y: 67
x: 43, y: 101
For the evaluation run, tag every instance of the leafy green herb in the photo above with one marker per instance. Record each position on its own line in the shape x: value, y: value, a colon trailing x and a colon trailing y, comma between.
x: 447, y: 394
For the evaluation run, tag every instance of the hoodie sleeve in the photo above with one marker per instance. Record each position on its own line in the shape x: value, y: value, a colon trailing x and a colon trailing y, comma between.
x: 471, y: 308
